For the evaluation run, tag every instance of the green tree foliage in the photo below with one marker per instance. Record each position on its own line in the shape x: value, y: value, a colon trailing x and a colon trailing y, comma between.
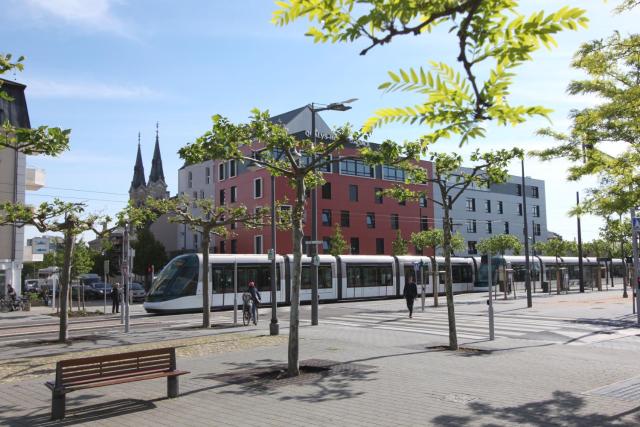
x: 556, y: 248
x: 488, y: 35
x: 264, y: 143
x: 434, y: 239
x: 400, y: 246
x: 149, y: 252
x: 337, y: 245
x: 500, y: 244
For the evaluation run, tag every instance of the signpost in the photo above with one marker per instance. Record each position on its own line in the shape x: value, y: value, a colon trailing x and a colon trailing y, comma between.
x: 104, y: 289
x: 490, y: 302
x: 635, y: 225
x: 417, y: 266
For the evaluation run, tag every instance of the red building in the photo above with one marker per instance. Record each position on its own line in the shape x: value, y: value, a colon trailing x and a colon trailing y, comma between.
x: 370, y: 223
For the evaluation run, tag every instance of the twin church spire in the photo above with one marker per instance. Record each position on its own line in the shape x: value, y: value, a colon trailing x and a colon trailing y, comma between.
x: 156, y: 187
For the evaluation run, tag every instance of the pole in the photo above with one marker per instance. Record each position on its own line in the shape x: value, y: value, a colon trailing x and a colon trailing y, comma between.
x: 490, y: 283
x: 636, y: 264
x: 424, y: 286
x: 274, y: 328
x: 314, y: 233
x: 235, y: 292
x: 580, y: 266
x: 527, y: 273
x: 104, y: 289
x: 125, y: 293
x: 123, y: 267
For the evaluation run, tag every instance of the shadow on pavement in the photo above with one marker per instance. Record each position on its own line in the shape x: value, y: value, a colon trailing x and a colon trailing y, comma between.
x: 77, y: 415
x: 562, y: 410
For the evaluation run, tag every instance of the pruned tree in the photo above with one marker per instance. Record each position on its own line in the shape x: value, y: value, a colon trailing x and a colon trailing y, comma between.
x: 434, y: 239
x: 337, y: 244
x: 400, y: 245
x: 556, y: 248
x: 499, y: 244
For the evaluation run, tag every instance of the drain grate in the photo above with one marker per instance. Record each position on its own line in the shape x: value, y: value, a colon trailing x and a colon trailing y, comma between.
x: 628, y: 390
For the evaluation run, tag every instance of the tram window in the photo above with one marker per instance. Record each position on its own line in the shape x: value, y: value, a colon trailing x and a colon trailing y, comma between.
x: 368, y: 276
x: 324, y: 277
x: 259, y: 274
x: 179, y: 278
x: 461, y: 273
x: 410, y: 273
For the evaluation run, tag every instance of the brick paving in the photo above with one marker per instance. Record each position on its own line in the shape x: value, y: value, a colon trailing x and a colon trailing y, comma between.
x: 393, y: 376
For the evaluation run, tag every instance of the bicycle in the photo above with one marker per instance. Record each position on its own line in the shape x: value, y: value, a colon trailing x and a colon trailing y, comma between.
x: 247, y: 304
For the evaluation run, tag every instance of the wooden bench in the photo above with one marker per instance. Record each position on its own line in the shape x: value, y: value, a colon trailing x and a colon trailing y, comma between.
x: 101, y: 371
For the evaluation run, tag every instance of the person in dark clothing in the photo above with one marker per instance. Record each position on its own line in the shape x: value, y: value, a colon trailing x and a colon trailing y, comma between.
x: 255, y: 297
x: 11, y: 293
x: 115, y: 298
x: 410, y: 293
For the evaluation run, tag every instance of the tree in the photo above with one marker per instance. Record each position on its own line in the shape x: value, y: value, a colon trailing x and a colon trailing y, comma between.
x: 400, y: 246
x: 488, y: 35
x: 58, y: 216
x: 299, y: 161
x: 556, y: 248
x: 450, y: 181
x: 499, y: 244
x: 208, y: 219
x: 149, y: 252
x: 434, y: 239
x: 337, y: 244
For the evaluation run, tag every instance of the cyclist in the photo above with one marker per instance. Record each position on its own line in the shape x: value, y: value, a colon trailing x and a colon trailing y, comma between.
x: 255, y: 298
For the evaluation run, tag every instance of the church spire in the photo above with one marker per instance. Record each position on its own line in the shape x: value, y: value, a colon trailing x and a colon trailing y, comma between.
x: 157, y: 174
x: 138, y: 170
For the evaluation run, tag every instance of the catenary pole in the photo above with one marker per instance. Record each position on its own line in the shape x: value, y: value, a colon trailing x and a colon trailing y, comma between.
x: 314, y: 233
x: 274, y: 328
x: 636, y: 264
x: 580, y: 261
x: 527, y: 273
x: 490, y: 302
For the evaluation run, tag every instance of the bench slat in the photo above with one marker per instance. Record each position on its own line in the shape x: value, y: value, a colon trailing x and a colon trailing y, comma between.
x: 121, y: 372
x: 106, y: 363
x: 115, y: 357
x: 109, y: 369
x: 125, y: 380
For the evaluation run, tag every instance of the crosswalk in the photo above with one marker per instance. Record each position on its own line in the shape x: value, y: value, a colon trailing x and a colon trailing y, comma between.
x: 475, y: 326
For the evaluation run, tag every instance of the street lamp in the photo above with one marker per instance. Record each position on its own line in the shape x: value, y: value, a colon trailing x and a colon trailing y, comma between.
x: 334, y: 106
x: 527, y: 273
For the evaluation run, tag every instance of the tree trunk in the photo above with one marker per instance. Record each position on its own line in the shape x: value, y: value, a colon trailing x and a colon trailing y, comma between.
x: 453, y: 335
x: 625, y: 269
x: 296, y: 272
x: 434, y: 279
x: 64, y: 286
x: 206, y: 293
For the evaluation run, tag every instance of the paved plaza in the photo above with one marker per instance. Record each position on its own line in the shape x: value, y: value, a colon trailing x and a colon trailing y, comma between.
x: 572, y: 360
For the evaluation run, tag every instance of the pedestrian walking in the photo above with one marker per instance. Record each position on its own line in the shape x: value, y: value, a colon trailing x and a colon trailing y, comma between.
x: 115, y: 298
x: 255, y: 297
x: 410, y: 293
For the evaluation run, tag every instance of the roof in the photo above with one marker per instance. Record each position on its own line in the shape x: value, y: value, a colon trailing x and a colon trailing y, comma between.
x: 157, y: 173
x: 138, y: 172
x: 15, y: 111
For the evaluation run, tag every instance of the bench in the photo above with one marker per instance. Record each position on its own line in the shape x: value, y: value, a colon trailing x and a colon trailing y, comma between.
x: 101, y: 371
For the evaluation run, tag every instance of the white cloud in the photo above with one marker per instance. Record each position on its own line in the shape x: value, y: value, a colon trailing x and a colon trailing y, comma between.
x: 87, y: 90
x: 95, y: 15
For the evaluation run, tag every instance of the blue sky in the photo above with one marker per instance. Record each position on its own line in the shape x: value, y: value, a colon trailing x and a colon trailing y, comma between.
x: 109, y: 69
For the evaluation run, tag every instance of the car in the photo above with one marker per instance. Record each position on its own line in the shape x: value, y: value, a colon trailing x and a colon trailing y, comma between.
x: 32, y: 285
x: 137, y: 292
x: 98, y: 290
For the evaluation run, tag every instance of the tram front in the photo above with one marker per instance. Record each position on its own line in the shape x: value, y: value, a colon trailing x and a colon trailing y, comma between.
x: 175, y: 289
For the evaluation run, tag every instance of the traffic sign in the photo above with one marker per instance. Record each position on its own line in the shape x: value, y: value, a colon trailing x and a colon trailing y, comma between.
x: 314, y: 242
x: 635, y: 223
x: 270, y: 255
x: 316, y: 260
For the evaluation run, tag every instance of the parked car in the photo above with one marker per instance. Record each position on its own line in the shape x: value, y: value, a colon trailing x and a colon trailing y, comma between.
x: 32, y: 285
x: 97, y: 290
x: 137, y: 292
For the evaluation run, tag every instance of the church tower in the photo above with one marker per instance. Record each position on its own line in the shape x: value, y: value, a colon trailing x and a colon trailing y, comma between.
x: 157, y: 187
x: 138, y: 189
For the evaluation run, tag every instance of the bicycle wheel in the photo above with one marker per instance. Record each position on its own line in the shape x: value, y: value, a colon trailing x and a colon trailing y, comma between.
x: 246, y: 317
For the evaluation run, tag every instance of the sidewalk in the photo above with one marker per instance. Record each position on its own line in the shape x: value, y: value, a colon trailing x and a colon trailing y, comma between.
x: 367, y: 377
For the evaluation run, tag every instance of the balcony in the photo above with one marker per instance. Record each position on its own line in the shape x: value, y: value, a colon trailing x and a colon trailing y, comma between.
x: 34, y: 179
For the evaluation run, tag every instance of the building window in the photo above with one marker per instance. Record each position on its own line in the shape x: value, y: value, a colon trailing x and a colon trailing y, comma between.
x: 202, y: 194
x: 506, y: 227
x: 257, y: 188
x: 221, y: 198
x: 207, y: 175
x: 393, y: 173
x: 234, y: 194
x: 395, y: 222
x: 326, y: 244
x: 519, y: 209
x: 519, y: 189
x: 500, y: 208
x: 471, y: 204
x: 195, y: 240
x: 353, y: 193
x: 344, y: 218
x: 377, y: 196
x: 195, y: 198
x: 535, y: 192
x: 221, y: 173
x: 233, y: 225
x: 234, y: 246
x: 356, y: 167
x: 471, y: 226
x: 326, y: 217
x: 355, y: 246
x: 232, y: 168
x: 285, y: 214
x: 471, y: 247
x: 257, y: 244
x: 326, y: 191
x: 190, y: 179
x: 489, y: 227
x: 423, y: 202
x: 223, y: 247
x: 424, y: 223
x: 371, y: 220
x: 380, y: 246
x: 536, y: 211
x: 487, y: 206
x: 537, y: 230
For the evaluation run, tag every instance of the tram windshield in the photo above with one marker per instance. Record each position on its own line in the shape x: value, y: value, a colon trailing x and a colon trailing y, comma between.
x: 178, y: 279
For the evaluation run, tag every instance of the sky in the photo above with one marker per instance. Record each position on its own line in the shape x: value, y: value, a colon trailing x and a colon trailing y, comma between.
x: 108, y: 69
